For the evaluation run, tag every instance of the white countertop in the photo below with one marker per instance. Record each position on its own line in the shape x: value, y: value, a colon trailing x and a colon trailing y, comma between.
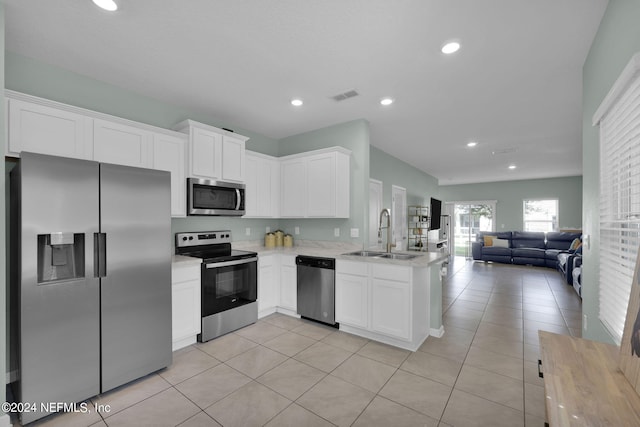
x: 326, y: 250
x: 424, y: 259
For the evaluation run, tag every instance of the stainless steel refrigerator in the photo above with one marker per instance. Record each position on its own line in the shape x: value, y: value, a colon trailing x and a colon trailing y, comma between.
x: 91, y: 250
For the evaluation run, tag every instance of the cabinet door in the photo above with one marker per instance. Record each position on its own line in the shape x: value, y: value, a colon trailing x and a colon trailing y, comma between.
x: 185, y: 302
x: 321, y: 185
x: 391, y: 308
x: 233, y: 159
x: 46, y: 130
x: 268, y: 294
x: 288, y: 284
x: 120, y: 144
x: 352, y: 300
x: 169, y: 155
x: 252, y: 183
x: 205, y: 154
x: 293, y: 188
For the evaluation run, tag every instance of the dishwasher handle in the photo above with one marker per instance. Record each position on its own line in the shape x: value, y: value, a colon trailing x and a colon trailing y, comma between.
x: 316, y: 262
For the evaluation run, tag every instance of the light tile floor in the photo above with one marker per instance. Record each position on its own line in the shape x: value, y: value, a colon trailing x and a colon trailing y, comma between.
x: 284, y: 371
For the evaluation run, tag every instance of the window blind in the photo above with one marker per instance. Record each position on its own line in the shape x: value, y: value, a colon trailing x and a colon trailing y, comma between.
x: 619, y: 205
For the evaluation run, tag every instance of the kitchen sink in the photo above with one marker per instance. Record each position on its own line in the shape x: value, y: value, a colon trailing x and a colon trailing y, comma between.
x: 366, y: 253
x: 398, y: 256
x: 373, y: 254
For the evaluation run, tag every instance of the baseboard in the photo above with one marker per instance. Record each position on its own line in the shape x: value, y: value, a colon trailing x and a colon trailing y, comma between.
x: 438, y: 333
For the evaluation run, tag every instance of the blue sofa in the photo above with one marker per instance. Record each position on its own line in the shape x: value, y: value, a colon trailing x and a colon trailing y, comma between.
x: 524, y: 247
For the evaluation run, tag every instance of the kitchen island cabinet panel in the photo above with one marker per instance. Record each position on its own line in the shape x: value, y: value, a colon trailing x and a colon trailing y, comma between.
x: 391, y: 308
x: 352, y: 300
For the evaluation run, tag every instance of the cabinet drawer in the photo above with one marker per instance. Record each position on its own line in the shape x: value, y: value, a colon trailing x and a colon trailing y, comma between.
x: 183, y: 274
x: 351, y: 267
x: 392, y: 272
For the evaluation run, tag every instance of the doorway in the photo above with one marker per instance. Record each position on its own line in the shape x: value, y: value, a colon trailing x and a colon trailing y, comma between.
x: 469, y: 218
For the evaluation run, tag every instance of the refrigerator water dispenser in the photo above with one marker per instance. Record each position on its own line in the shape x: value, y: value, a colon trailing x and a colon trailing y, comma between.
x: 60, y: 257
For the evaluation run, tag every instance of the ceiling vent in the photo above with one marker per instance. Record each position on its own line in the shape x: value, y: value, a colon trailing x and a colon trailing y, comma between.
x: 346, y: 95
x: 504, y: 151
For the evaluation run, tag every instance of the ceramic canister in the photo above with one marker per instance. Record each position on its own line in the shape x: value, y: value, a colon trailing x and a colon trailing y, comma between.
x: 288, y: 241
x: 269, y: 240
x: 279, y: 237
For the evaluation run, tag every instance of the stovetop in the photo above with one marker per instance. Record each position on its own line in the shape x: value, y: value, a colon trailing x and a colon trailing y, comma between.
x: 210, y: 246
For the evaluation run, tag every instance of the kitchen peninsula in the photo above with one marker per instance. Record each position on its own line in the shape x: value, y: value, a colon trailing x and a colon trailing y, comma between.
x: 393, y: 301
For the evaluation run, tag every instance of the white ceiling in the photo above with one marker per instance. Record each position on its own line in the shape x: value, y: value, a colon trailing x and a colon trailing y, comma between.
x: 515, y: 86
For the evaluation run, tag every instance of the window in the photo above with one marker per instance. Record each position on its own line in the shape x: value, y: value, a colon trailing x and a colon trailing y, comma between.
x: 619, y: 119
x: 540, y: 215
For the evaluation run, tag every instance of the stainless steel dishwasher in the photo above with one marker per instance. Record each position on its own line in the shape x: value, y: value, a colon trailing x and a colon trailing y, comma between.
x: 316, y: 288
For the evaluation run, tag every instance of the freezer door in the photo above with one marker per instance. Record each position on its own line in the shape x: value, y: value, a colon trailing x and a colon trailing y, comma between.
x: 135, y: 209
x: 55, y: 208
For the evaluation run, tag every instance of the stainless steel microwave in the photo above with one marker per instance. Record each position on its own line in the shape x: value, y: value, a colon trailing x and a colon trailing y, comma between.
x: 208, y: 197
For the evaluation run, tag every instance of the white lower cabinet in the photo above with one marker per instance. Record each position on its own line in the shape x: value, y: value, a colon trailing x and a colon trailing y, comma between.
x: 288, y: 284
x: 185, y: 303
x: 268, y: 284
x: 352, y: 294
x: 379, y: 301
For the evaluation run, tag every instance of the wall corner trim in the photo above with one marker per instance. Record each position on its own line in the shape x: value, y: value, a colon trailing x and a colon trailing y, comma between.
x: 631, y: 71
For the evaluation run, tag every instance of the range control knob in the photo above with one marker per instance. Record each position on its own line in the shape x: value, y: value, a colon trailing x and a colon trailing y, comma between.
x: 184, y: 238
x: 190, y: 237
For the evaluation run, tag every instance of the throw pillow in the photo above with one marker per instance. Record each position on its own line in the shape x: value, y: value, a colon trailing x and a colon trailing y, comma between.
x: 575, y: 244
x: 501, y: 243
x: 488, y: 240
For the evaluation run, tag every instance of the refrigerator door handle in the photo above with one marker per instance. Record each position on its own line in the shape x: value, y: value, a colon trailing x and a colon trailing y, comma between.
x: 100, y: 254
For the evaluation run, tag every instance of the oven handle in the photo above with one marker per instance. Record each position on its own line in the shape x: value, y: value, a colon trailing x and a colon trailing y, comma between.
x: 238, y: 197
x: 229, y: 263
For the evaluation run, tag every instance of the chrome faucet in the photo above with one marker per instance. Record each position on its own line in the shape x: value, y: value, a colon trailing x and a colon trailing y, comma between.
x: 386, y: 212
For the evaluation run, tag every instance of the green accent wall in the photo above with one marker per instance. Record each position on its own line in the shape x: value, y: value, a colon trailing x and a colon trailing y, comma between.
x: 617, y: 40
x: 510, y: 195
x: 390, y: 170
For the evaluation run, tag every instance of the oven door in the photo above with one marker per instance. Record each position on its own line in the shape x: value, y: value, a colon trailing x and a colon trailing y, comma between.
x: 230, y: 284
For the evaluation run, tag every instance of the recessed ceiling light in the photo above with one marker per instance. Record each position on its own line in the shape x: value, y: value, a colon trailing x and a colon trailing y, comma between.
x: 386, y: 101
x: 450, y: 47
x: 109, y: 5
x: 296, y: 102
x: 472, y: 144
x: 512, y: 167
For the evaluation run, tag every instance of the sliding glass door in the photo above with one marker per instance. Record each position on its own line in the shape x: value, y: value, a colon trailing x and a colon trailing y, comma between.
x: 468, y: 219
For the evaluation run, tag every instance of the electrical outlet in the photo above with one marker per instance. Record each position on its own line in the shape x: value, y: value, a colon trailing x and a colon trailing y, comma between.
x: 336, y: 232
x: 247, y: 231
x: 584, y: 322
x: 297, y: 230
x: 355, y: 232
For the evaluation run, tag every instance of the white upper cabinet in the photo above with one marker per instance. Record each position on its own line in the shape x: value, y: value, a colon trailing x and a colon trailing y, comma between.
x: 293, y: 173
x: 47, y: 130
x: 48, y: 127
x: 316, y: 184
x: 168, y: 153
x: 262, y: 180
x: 121, y: 144
x: 233, y: 158
x: 214, y: 153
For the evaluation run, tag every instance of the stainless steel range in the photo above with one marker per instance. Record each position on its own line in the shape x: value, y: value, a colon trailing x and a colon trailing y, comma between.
x: 229, y: 280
